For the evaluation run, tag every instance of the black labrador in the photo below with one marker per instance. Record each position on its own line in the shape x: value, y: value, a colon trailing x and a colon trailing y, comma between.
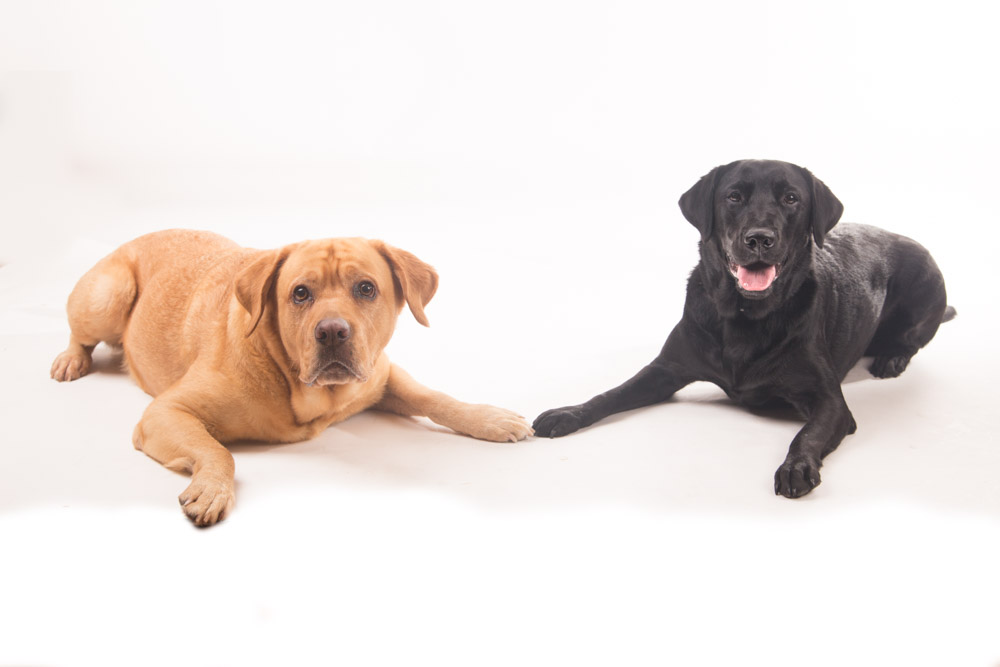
x: 779, y: 308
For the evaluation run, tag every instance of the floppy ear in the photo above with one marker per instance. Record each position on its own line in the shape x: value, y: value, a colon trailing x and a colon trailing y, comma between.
x: 826, y: 209
x: 416, y: 280
x: 698, y: 205
x: 255, y: 282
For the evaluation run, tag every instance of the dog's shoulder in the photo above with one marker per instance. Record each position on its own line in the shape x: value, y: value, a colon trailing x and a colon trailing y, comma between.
x: 700, y: 308
x: 861, y: 253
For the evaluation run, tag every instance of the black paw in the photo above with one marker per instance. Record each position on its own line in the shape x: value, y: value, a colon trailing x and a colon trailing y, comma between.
x: 796, y: 477
x: 559, y: 422
x: 889, y: 367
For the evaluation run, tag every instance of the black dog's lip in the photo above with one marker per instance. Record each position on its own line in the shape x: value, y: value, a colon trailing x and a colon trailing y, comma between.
x: 734, y: 265
x: 759, y: 294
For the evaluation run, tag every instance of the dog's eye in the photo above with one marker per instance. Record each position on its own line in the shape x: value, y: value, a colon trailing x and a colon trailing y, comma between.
x: 735, y: 197
x: 365, y: 289
x: 301, y: 294
x: 790, y: 198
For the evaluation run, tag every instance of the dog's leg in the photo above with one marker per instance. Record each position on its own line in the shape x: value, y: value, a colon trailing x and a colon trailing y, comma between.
x: 98, y: 310
x: 655, y: 383
x: 829, y: 421
x: 915, y: 306
x: 405, y: 396
x: 179, y: 440
x: 898, y: 339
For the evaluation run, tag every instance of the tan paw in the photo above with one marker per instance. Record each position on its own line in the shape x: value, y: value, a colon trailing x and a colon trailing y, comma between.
x: 207, y: 501
x: 70, y: 365
x: 491, y: 423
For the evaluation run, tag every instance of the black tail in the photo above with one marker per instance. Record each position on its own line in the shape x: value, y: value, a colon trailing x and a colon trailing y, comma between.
x: 949, y: 314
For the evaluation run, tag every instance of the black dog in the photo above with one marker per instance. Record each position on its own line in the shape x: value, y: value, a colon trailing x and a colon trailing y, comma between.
x: 779, y: 308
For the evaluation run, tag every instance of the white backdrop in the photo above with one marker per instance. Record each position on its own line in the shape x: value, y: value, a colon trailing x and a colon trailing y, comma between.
x: 534, y: 153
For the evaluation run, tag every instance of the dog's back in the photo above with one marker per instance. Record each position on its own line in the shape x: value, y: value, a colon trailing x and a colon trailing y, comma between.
x: 883, y: 295
x: 141, y: 297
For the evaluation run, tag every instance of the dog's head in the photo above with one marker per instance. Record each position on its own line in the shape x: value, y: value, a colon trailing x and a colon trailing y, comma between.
x: 333, y: 304
x: 758, y: 221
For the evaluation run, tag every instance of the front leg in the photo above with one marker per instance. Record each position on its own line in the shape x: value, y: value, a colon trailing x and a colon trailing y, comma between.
x: 829, y: 421
x: 405, y: 396
x: 179, y: 440
x: 661, y: 379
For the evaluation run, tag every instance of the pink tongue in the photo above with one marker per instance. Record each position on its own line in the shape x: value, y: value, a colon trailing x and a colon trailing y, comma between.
x: 755, y: 281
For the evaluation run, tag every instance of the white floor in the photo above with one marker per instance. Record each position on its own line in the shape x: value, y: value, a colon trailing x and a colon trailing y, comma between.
x: 651, y: 538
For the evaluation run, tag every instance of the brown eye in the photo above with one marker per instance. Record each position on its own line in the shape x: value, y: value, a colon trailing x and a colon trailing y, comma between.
x: 365, y: 289
x: 790, y: 198
x: 301, y: 294
x: 735, y: 197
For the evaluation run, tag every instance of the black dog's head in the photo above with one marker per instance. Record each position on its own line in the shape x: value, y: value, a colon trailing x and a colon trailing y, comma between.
x: 758, y: 220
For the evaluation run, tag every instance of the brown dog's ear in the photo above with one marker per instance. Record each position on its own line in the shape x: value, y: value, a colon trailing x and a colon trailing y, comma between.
x: 416, y: 280
x: 698, y: 205
x: 826, y: 209
x: 255, y: 282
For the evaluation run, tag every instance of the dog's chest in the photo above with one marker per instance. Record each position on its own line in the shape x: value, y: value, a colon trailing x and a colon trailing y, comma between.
x: 756, y: 363
x: 315, y: 408
x: 313, y: 411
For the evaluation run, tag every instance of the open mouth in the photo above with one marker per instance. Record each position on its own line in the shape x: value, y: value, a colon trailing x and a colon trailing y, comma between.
x: 756, y: 277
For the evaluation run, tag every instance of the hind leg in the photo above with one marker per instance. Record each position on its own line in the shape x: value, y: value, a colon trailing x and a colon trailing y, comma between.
x: 898, y: 339
x: 915, y: 305
x: 890, y: 366
x: 98, y: 310
x: 72, y: 363
x: 908, y: 323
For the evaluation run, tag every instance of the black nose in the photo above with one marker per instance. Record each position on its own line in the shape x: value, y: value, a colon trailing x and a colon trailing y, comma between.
x: 759, y: 239
x: 332, y: 331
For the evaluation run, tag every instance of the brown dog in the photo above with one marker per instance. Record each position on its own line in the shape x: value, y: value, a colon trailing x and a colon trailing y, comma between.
x: 268, y: 345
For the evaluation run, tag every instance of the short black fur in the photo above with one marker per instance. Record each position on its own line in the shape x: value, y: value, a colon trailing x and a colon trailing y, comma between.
x: 780, y: 307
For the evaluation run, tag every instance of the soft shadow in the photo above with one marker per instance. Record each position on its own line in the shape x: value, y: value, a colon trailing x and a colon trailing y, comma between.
x: 108, y: 360
x: 257, y: 447
x: 860, y: 372
x: 699, y: 450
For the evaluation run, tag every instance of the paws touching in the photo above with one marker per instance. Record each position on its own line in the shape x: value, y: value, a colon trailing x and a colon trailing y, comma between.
x: 796, y: 477
x: 559, y: 421
x: 490, y: 423
x: 207, y: 501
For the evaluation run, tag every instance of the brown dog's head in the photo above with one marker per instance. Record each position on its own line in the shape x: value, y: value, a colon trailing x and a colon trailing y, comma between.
x: 333, y: 304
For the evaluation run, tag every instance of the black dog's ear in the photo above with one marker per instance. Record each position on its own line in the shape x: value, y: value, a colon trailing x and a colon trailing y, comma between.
x: 826, y: 209
x: 698, y: 205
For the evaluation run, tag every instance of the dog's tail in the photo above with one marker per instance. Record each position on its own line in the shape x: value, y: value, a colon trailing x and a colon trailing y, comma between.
x: 949, y: 314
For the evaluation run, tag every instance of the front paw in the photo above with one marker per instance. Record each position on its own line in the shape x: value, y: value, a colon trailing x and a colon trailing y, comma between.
x: 207, y: 501
x: 796, y: 477
x: 559, y: 422
x: 487, y: 422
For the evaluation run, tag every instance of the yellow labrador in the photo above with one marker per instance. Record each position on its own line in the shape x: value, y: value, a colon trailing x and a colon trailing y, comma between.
x: 268, y: 345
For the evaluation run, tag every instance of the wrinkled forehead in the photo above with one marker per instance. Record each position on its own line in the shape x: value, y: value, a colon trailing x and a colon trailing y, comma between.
x: 762, y: 174
x: 336, y: 261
